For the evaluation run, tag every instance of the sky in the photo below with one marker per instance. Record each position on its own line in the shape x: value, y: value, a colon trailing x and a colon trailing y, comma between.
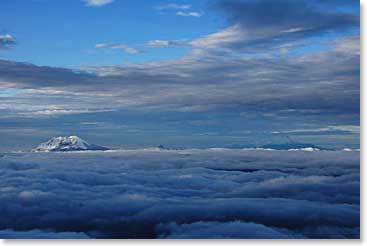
x: 233, y: 73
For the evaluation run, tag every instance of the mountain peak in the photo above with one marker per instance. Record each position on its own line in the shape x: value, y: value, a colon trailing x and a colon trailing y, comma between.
x: 63, y: 143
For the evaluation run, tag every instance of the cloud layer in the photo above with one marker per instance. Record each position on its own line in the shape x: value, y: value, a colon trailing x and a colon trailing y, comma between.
x: 198, y: 80
x: 180, y: 194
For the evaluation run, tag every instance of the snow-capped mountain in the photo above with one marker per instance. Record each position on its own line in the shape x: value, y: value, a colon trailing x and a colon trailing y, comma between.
x: 71, y: 143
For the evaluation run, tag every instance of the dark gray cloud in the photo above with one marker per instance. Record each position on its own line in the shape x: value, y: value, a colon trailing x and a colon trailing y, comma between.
x: 31, y: 76
x: 263, y: 26
x: 153, y: 193
x: 285, y: 15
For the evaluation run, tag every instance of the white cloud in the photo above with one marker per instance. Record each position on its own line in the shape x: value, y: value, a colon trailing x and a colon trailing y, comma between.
x: 55, y: 111
x: 123, y: 47
x: 192, y: 14
x: 291, y: 30
x: 166, y: 43
x: 158, y: 43
x: 348, y: 45
x: 219, y: 39
x: 103, y: 45
x: 180, y: 9
x: 14, y: 131
x: 97, y: 3
x: 349, y: 128
x: 173, y: 6
x: 6, y: 37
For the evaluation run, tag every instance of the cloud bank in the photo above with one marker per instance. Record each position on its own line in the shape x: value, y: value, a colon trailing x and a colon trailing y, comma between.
x: 180, y: 194
x: 200, y: 80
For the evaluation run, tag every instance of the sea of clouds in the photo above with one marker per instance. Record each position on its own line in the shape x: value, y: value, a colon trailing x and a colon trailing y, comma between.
x: 215, y: 193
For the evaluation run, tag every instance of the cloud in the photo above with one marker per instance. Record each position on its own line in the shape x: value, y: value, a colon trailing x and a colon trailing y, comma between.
x: 192, y: 13
x: 171, y: 6
x: 221, y: 230
x: 123, y: 47
x: 6, y: 40
x: 349, y: 44
x: 220, y: 39
x: 97, y: 3
x: 265, y: 25
x: 180, y: 194
x: 39, y: 234
x: 166, y: 43
x: 183, y: 9
x: 200, y: 80
x: 14, y: 131
x: 159, y: 43
x: 352, y: 129
x: 54, y: 111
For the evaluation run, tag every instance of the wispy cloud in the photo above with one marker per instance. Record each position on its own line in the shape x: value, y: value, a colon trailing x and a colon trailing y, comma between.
x: 353, y: 129
x: 6, y: 40
x: 97, y: 3
x: 267, y: 25
x: 166, y: 43
x: 192, y: 14
x: 182, y: 9
x: 123, y: 47
x: 220, y: 39
x: 159, y: 43
x: 173, y: 6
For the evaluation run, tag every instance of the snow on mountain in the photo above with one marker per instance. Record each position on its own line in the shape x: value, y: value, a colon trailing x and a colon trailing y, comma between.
x: 71, y: 143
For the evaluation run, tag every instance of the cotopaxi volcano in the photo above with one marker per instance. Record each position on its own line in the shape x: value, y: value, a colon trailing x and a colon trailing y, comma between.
x: 64, y: 144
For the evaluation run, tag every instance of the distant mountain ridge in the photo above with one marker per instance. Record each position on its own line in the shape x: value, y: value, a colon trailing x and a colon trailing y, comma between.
x: 65, y: 144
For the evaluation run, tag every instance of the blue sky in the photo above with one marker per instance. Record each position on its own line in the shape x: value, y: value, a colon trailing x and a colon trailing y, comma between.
x: 184, y: 74
x: 69, y: 30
